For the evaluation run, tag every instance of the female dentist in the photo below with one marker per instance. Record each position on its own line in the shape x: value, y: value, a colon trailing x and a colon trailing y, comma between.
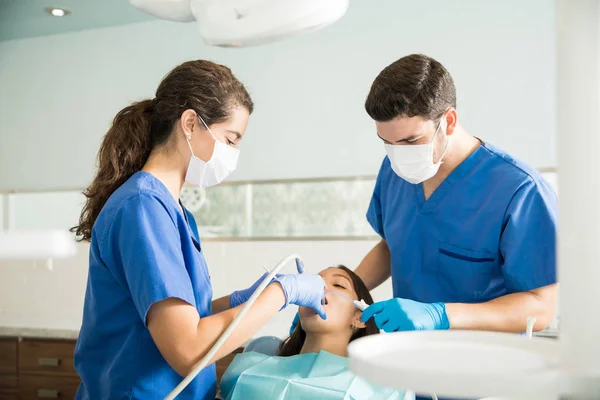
x: 148, y: 313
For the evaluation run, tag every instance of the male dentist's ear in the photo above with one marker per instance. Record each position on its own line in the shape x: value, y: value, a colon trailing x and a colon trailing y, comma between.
x: 451, y: 121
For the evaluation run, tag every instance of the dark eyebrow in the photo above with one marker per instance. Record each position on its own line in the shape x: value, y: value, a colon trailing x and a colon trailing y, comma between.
x: 343, y: 276
x: 408, y: 139
x: 236, y: 133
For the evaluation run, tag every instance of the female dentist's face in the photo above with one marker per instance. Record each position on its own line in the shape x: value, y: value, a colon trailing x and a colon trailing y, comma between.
x: 342, y: 316
x: 229, y: 132
x: 211, y: 154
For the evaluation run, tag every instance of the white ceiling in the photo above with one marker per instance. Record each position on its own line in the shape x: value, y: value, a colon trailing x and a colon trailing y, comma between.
x: 27, y: 18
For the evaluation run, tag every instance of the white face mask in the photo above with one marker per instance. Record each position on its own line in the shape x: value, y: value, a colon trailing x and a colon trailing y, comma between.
x: 414, y: 163
x: 212, y: 172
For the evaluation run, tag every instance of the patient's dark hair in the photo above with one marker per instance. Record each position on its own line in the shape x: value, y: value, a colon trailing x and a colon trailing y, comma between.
x: 293, y: 344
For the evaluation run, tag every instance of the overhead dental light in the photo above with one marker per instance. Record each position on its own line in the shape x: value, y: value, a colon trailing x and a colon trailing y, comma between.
x: 172, y: 10
x: 253, y: 22
x: 236, y: 23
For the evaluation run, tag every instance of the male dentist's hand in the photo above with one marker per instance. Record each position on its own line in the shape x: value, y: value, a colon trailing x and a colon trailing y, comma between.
x: 407, y: 315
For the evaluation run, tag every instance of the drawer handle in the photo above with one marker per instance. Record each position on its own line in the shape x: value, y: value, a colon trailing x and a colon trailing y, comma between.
x: 48, y: 394
x: 49, y: 362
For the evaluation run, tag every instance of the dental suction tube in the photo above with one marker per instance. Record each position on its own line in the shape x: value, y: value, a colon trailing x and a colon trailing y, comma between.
x: 211, y: 353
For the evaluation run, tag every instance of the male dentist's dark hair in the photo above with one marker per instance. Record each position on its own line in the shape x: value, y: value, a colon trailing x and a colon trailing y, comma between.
x: 415, y: 85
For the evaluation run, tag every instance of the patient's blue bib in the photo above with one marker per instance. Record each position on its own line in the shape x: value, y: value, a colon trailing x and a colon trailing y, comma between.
x: 322, y: 376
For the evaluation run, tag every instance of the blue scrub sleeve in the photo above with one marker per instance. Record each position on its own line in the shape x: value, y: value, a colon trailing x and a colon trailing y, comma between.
x: 528, y: 241
x: 374, y: 213
x: 149, y: 247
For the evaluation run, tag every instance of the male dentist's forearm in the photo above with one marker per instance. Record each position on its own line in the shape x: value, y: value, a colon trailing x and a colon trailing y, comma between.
x: 375, y: 268
x: 507, y: 313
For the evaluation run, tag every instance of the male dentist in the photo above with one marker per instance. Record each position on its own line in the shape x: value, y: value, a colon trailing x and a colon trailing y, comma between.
x: 468, y: 233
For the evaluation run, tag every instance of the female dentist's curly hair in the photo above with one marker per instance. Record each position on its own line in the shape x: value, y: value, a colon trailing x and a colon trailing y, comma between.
x: 293, y: 345
x: 209, y: 89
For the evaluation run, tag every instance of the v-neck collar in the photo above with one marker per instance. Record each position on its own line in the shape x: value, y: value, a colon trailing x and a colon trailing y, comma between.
x: 189, y: 227
x: 429, y: 205
x: 179, y: 207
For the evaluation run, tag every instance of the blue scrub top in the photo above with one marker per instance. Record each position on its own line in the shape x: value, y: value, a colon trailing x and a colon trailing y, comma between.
x: 143, y: 250
x: 488, y: 230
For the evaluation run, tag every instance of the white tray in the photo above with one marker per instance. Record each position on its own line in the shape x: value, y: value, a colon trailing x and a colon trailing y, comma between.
x: 460, y: 363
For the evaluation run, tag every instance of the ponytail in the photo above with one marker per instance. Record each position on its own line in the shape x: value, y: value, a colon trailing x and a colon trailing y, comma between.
x: 124, y: 151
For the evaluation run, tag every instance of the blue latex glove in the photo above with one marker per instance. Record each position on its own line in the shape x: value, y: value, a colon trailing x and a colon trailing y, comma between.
x: 407, y: 315
x: 241, y: 296
x: 304, y: 290
x: 294, y: 323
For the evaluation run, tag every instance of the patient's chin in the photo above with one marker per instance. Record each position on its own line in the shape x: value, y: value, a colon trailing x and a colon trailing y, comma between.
x: 312, y: 322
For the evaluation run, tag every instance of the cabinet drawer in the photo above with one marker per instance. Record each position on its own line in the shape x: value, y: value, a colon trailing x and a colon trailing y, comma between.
x: 8, y: 356
x: 8, y: 386
x: 47, y: 357
x: 35, y: 387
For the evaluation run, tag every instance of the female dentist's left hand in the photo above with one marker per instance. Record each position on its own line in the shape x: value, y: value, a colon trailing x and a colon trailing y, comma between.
x: 241, y: 296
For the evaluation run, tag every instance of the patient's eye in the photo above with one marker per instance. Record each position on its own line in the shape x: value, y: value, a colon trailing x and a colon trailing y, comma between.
x: 339, y: 286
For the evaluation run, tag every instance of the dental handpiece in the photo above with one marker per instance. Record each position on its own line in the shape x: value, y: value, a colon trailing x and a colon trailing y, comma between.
x: 360, y: 304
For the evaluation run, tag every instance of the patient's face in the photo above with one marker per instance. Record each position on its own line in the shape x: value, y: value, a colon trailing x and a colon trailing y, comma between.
x: 340, y: 313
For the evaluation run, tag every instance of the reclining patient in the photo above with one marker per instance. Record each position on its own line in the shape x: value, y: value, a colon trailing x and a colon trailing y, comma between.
x: 312, y: 362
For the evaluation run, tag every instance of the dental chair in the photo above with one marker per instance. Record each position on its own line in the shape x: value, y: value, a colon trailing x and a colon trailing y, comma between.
x: 267, y: 345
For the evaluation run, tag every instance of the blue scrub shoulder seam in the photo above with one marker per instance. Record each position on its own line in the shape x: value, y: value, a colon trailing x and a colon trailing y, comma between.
x: 529, y: 172
x: 118, y: 208
x: 522, y: 186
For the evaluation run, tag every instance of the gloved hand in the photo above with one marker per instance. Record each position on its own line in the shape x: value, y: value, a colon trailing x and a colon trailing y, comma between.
x: 241, y: 296
x: 407, y: 315
x: 294, y: 323
x: 304, y: 290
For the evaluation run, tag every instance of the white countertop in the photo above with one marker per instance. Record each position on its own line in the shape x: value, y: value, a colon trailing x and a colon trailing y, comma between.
x: 39, y: 333
x: 49, y: 333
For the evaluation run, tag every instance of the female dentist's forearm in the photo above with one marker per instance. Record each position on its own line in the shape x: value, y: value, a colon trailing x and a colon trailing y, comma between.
x: 266, y: 306
x: 183, y: 338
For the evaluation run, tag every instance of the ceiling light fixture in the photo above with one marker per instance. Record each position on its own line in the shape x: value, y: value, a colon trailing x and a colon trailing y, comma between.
x: 57, y: 12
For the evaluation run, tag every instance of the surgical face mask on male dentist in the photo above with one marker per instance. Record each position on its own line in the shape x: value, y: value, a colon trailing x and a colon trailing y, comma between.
x: 414, y: 163
x: 212, y: 172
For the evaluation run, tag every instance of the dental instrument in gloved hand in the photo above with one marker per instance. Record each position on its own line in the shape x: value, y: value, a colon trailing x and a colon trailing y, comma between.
x: 360, y: 304
x: 407, y: 315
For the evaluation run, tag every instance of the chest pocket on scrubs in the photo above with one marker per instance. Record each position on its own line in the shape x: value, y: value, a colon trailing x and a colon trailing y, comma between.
x: 466, y: 273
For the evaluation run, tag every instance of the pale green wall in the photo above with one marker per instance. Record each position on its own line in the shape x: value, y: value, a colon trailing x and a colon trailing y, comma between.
x: 59, y: 93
